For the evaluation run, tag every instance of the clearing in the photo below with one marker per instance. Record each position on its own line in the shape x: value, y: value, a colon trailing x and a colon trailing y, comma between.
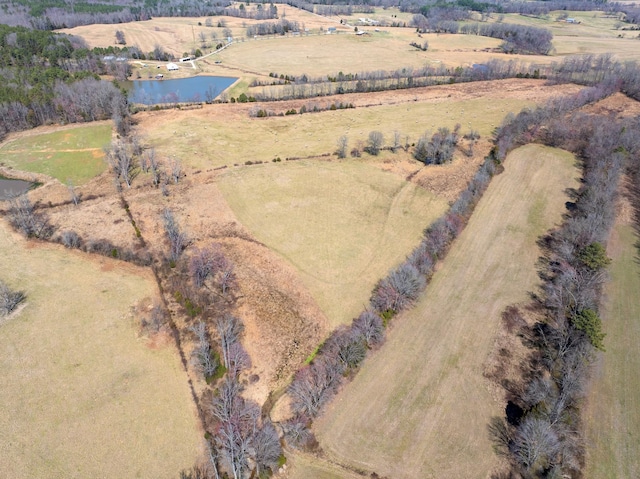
x: 81, y: 394
x: 73, y: 153
x: 420, y: 406
x: 613, y: 407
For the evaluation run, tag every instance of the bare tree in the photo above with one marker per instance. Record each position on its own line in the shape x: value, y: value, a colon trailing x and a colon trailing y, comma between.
x: 9, y: 300
x: 314, y: 385
x: 398, y: 290
x: 397, y: 141
x: 536, y: 444
x: 375, y: 142
x: 229, y: 330
x: 369, y: 326
x: 343, y: 143
x: 202, y: 355
x: 266, y: 448
x: 120, y: 39
x: 75, y: 198
x: 178, y: 240
x: 122, y: 162
x: 24, y: 217
x: 71, y: 239
x: 176, y: 169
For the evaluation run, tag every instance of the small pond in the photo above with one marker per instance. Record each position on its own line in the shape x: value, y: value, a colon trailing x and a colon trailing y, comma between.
x: 10, y: 187
x: 199, y: 88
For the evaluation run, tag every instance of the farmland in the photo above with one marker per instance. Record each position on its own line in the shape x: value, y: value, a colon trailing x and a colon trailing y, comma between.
x: 613, y: 417
x: 343, y: 226
x: 82, y: 395
x: 409, y: 411
x: 306, y: 234
x: 74, y: 154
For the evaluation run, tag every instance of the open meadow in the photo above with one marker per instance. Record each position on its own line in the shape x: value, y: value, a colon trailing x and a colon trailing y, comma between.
x: 613, y: 405
x: 73, y: 153
x: 83, y: 396
x: 343, y: 225
x: 419, y: 407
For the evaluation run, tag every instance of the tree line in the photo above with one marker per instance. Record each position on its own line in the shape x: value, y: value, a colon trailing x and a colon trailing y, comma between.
x: 47, y: 77
x: 541, y: 435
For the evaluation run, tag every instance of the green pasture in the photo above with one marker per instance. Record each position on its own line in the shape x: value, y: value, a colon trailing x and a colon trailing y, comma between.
x: 74, y: 154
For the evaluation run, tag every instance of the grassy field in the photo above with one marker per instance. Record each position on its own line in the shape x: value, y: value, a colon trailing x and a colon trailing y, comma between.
x: 420, y: 406
x: 343, y: 225
x: 81, y: 395
x: 613, y: 406
x: 74, y: 154
x: 217, y: 135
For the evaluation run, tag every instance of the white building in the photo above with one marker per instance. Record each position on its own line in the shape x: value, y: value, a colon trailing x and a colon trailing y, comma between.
x: 172, y: 67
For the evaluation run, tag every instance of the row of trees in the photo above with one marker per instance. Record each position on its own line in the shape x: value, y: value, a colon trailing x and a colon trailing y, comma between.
x: 543, y: 439
x: 281, y: 27
x: 343, y: 352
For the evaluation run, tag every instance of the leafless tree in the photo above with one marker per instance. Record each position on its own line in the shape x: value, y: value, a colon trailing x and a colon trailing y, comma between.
x: 72, y: 193
x: 343, y: 143
x: 375, y: 142
x: 176, y: 169
x: 202, y: 357
x: 536, y: 444
x: 71, y: 239
x: 9, y: 299
x: 120, y: 39
x: 369, y: 326
x: 296, y: 431
x: 398, y: 290
x: 178, y: 240
x: 314, y: 385
x: 229, y: 330
x: 266, y: 448
x: 24, y: 217
x: 122, y: 161
x: 397, y: 141
x: 156, y: 318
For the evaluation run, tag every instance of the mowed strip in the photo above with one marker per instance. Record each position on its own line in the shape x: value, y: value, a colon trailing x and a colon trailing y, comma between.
x: 81, y: 395
x: 420, y: 406
x: 613, y: 408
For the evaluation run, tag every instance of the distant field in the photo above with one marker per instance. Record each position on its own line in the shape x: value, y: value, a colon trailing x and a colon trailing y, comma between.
x: 613, y: 406
x: 70, y: 154
x: 343, y: 225
x: 319, y: 55
x: 81, y: 395
x: 224, y: 135
x: 420, y: 406
x: 596, y: 33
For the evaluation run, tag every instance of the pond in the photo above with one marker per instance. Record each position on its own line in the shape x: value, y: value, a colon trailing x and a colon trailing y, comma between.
x: 199, y: 88
x: 10, y: 187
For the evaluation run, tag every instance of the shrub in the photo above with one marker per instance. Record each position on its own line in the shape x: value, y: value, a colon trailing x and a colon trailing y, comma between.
x: 9, y: 300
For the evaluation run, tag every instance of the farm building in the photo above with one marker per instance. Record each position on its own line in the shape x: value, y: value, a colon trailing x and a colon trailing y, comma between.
x: 172, y: 67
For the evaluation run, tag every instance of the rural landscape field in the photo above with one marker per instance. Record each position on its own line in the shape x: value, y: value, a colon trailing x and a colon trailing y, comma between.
x: 403, y: 243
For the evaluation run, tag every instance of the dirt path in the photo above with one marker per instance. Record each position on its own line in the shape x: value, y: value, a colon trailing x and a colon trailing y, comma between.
x: 420, y: 406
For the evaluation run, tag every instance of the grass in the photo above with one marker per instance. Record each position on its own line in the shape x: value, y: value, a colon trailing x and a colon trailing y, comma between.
x: 420, y: 406
x: 318, y: 55
x: 206, y: 138
x: 81, y: 395
x: 74, y: 154
x: 343, y: 225
x: 613, y: 406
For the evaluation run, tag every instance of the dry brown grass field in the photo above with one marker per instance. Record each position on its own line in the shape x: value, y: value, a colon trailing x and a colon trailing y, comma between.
x: 342, y: 225
x: 420, y: 406
x: 83, y: 396
x: 613, y: 401
x: 225, y: 134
